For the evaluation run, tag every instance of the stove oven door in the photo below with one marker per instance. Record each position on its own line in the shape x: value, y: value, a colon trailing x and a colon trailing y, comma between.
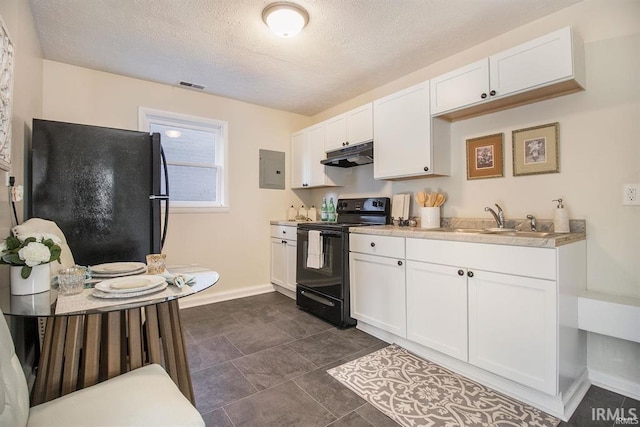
x: 328, y: 279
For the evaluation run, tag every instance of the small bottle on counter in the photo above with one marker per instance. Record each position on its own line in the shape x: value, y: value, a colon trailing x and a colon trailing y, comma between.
x: 291, y: 213
x: 324, y: 216
x: 560, y: 218
x: 331, y: 211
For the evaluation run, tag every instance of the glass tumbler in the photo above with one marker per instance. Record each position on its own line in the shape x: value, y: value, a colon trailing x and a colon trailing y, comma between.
x: 156, y: 263
x: 71, y: 280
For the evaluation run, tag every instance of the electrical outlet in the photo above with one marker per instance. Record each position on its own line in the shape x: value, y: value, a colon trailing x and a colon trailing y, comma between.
x: 631, y: 194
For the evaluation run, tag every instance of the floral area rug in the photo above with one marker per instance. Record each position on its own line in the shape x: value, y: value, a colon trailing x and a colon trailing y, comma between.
x: 416, y: 392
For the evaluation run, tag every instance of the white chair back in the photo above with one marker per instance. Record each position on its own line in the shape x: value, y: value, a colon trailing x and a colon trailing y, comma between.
x: 14, y: 393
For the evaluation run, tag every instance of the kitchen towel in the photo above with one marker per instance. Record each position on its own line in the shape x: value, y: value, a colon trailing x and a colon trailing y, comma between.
x: 314, y: 249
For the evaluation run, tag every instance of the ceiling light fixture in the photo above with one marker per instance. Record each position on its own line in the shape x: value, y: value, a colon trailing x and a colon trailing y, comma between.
x: 284, y: 18
x: 172, y: 133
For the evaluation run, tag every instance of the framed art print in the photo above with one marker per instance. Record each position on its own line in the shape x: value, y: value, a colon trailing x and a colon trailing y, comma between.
x: 485, y: 157
x: 6, y: 95
x: 535, y: 150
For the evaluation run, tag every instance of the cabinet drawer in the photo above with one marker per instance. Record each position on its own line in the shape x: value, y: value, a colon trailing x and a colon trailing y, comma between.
x: 377, y: 245
x: 286, y: 232
x: 518, y: 260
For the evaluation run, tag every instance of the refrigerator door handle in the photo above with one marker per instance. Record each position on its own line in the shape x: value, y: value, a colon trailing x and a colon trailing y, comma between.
x: 164, y: 197
x: 158, y: 197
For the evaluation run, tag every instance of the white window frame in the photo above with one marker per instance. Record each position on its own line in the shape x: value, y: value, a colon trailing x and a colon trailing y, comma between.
x: 146, y: 116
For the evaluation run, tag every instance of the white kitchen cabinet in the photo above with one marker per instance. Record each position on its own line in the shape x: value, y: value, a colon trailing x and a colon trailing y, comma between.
x: 407, y: 142
x: 548, y: 66
x: 307, y: 150
x: 513, y: 328
x: 351, y: 128
x: 377, y: 283
x: 283, y: 256
x: 437, y: 307
x: 511, y: 305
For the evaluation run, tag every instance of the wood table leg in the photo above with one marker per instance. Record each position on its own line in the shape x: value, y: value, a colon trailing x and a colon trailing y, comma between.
x: 72, y: 347
x: 91, y: 354
x: 111, y: 357
x: 43, y: 366
x: 54, y: 375
x: 154, y: 352
x: 182, y: 363
x: 134, y: 329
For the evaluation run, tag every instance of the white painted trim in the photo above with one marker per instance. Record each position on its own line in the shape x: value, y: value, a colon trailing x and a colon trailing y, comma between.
x: 610, y: 315
x: 208, y: 298
x: 554, y: 405
x: 286, y: 292
x: 615, y: 384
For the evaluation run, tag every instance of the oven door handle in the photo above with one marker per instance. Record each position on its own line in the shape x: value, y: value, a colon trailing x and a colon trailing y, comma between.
x: 317, y: 298
x: 330, y: 234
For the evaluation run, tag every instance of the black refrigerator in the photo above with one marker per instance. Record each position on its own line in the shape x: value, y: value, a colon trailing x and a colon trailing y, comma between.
x: 101, y: 186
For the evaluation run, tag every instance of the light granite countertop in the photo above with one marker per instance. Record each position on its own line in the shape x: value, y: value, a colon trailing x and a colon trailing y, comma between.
x: 544, y: 241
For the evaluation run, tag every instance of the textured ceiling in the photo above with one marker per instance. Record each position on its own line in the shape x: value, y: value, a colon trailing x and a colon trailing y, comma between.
x: 348, y: 47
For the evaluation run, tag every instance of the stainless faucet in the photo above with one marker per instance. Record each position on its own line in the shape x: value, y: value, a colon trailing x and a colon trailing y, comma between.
x: 499, y: 217
x: 532, y: 220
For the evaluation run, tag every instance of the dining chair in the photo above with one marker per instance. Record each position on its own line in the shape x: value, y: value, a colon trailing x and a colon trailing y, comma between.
x: 143, y: 397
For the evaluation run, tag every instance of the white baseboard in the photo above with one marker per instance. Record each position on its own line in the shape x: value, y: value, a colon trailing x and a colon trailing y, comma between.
x: 208, y: 298
x: 615, y: 384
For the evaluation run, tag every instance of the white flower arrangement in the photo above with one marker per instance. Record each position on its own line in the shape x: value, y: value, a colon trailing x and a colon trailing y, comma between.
x: 30, y: 250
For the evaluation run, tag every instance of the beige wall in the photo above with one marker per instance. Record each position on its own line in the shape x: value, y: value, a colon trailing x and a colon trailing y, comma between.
x: 27, y: 93
x: 599, y: 152
x: 235, y: 243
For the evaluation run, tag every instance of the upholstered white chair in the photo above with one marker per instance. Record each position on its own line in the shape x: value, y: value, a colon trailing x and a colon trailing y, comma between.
x: 143, y: 397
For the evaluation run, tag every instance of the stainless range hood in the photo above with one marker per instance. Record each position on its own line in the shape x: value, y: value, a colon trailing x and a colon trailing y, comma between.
x: 361, y: 154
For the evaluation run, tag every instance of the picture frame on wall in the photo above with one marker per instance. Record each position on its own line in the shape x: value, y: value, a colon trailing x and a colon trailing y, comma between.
x: 536, y: 150
x: 485, y: 158
x: 7, y: 56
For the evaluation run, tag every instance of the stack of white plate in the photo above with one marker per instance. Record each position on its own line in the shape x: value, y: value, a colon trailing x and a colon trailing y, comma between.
x: 129, y: 286
x: 117, y: 269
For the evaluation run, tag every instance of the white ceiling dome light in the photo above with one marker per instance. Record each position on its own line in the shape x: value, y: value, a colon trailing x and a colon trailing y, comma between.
x: 284, y: 18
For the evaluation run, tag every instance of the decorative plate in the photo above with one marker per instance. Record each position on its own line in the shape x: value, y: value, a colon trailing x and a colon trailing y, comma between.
x: 117, y: 267
x: 130, y: 284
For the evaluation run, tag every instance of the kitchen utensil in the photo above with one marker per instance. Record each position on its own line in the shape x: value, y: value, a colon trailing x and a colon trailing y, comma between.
x: 421, y: 198
x: 440, y: 199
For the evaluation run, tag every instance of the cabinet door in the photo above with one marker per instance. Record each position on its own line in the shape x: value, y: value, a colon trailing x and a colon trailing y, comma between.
x: 512, y: 328
x: 378, y: 292
x: 298, y: 159
x: 278, y: 258
x: 538, y: 62
x: 360, y: 124
x: 290, y: 265
x: 315, y: 170
x: 336, y: 132
x: 402, y: 134
x: 460, y: 88
x: 437, y: 307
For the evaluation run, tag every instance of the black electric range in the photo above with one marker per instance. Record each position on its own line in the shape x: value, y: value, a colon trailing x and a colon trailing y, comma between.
x: 323, y: 289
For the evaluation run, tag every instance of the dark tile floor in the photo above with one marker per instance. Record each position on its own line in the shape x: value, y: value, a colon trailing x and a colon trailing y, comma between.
x: 259, y: 361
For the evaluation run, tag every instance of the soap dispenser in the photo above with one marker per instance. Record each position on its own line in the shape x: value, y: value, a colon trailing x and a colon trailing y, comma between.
x: 560, y: 218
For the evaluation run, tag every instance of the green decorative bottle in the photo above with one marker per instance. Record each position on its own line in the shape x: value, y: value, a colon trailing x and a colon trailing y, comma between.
x: 331, y: 212
x: 323, y: 210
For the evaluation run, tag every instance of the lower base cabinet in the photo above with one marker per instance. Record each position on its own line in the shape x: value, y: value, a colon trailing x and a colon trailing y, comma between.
x: 506, y: 314
x: 513, y: 328
x: 378, y: 292
x: 437, y: 307
x: 283, y: 256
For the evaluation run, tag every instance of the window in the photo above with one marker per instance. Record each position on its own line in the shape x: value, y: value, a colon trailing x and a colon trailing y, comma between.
x: 196, y: 152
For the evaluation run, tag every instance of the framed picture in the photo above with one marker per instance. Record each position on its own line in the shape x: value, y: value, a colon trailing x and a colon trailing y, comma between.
x: 6, y: 95
x: 485, y: 157
x: 535, y: 150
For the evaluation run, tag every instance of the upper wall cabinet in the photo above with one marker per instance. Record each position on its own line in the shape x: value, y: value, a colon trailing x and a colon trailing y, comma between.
x: 546, y: 67
x: 307, y: 149
x: 350, y: 128
x: 407, y: 142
